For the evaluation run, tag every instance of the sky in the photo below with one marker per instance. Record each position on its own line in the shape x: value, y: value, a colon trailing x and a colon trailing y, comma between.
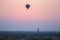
x: 42, y: 14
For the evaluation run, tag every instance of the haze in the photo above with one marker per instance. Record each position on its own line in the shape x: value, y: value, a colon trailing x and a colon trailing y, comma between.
x: 44, y: 14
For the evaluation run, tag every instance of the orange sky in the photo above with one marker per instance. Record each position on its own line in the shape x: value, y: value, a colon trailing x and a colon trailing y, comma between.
x: 40, y: 10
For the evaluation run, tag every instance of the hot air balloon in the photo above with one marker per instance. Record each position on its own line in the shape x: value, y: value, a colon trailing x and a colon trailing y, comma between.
x: 27, y: 6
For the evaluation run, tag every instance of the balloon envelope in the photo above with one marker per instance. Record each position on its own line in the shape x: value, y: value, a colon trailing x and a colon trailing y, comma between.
x: 27, y: 6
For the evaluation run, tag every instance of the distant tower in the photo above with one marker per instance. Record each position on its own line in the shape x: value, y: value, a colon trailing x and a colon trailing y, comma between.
x: 38, y: 30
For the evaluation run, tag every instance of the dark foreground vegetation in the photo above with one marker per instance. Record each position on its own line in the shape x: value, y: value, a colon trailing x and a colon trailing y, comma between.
x: 29, y: 35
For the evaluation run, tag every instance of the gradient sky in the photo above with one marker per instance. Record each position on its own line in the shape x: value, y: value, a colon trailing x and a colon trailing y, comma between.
x: 44, y: 14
